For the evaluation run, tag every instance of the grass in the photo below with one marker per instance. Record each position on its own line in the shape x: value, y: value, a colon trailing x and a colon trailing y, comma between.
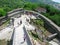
x: 3, y: 42
x: 40, y: 25
x: 33, y: 35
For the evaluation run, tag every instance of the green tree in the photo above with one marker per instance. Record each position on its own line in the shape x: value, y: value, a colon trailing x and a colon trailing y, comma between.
x: 56, y: 19
x: 30, y: 6
x: 2, y: 12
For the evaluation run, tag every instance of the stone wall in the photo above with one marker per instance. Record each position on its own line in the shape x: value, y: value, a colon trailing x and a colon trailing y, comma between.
x: 10, y: 14
x: 48, y: 24
x: 52, y: 27
x: 3, y: 20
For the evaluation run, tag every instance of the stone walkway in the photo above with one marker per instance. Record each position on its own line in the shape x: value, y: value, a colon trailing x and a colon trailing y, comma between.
x: 20, y: 30
x: 19, y: 36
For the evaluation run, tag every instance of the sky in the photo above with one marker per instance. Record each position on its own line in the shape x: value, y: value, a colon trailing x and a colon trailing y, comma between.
x: 57, y: 1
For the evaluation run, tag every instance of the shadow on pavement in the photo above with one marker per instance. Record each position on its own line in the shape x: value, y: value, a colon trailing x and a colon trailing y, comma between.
x: 27, y: 38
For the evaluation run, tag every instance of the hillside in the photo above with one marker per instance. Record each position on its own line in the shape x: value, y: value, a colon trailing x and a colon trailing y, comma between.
x: 10, y: 4
x: 20, y: 3
x: 52, y: 13
x: 50, y: 2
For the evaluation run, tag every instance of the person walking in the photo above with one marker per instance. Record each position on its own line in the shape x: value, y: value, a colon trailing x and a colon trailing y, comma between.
x: 24, y: 37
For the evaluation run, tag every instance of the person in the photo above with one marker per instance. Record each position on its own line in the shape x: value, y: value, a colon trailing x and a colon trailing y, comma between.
x: 24, y: 37
x: 20, y: 21
x: 13, y: 21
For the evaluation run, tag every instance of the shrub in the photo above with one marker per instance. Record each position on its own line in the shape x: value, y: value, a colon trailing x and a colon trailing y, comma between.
x: 30, y: 6
x: 56, y: 19
x: 2, y: 12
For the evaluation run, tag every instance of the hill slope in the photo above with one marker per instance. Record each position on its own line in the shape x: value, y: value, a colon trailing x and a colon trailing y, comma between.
x: 11, y: 3
x: 8, y: 5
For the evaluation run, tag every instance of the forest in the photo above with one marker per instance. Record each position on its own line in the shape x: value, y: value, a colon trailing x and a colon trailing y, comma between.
x: 8, y: 5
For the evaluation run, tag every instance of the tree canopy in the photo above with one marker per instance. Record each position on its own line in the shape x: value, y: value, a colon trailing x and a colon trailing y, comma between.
x: 8, y: 5
x: 2, y: 12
